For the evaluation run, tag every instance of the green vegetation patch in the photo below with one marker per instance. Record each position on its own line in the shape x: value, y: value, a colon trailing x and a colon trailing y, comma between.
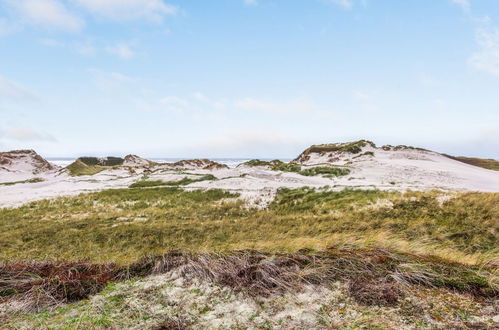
x: 258, y: 162
x: 490, y: 164
x: 126, y: 224
x: 182, y: 182
x: 106, y: 161
x: 352, y: 147
x: 78, y: 168
x: 34, y: 180
x: 277, y: 165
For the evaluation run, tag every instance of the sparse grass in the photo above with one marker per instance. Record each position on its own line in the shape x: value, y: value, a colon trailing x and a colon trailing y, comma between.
x: 372, y: 277
x: 490, y: 164
x: 277, y: 165
x: 351, y: 147
x: 147, y: 183
x: 327, y: 171
x: 106, y: 161
x: 182, y: 182
x: 34, y: 180
x: 258, y: 162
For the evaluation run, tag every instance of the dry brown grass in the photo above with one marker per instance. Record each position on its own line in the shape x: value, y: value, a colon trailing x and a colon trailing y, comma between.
x: 375, y: 276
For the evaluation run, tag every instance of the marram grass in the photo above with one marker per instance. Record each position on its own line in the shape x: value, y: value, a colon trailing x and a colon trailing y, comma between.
x: 124, y: 225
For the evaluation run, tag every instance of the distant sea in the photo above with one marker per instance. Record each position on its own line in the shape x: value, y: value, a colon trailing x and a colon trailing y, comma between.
x: 231, y: 162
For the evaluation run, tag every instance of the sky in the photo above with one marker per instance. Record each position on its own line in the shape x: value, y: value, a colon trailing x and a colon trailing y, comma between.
x: 247, y: 78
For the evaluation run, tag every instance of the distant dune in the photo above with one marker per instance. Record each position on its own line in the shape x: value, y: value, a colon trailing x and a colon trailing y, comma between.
x: 26, y: 176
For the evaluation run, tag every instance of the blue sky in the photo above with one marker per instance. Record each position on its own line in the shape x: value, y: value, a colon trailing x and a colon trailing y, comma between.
x: 242, y: 78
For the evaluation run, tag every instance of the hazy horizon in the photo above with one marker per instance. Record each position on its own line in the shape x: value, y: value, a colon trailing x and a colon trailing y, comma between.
x: 247, y: 78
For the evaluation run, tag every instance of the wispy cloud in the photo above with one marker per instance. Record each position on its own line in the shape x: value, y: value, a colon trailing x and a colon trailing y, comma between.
x: 110, y: 80
x: 464, y: 4
x: 25, y: 134
x: 250, y: 2
x: 486, y: 59
x: 244, y: 143
x: 13, y: 91
x: 6, y: 27
x: 47, y: 13
x: 253, y: 104
x: 121, y: 49
x: 346, y: 4
x: 125, y: 10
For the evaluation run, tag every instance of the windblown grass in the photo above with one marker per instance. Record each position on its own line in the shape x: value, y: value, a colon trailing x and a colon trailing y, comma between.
x: 251, y: 272
x: 126, y: 224
x: 417, y: 254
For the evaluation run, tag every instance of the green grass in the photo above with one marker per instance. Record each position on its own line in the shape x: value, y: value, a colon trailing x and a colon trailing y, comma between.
x: 277, y: 165
x: 352, y: 148
x: 182, y: 182
x: 126, y: 224
x: 34, y: 180
x: 78, y: 168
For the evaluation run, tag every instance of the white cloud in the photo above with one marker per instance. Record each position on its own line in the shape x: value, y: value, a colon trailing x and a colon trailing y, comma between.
x: 361, y: 96
x: 487, y: 58
x: 152, y: 10
x: 250, y: 2
x: 51, y: 42
x: 464, y: 4
x: 246, y: 143
x: 12, y: 91
x: 85, y: 48
x: 25, y: 134
x: 122, y: 50
x: 110, y: 82
x: 346, y: 4
x: 297, y: 106
x: 6, y: 27
x: 47, y: 13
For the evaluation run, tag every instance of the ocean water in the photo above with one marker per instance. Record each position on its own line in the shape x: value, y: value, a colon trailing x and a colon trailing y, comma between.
x: 231, y: 162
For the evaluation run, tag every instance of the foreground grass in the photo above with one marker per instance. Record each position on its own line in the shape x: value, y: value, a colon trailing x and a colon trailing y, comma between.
x: 126, y: 224
x: 313, y: 259
x: 338, y: 287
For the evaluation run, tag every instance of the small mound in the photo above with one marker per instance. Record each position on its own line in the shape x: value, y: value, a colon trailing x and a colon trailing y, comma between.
x: 204, y: 164
x: 134, y: 160
x: 24, y: 161
x: 355, y: 147
x: 78, y: 167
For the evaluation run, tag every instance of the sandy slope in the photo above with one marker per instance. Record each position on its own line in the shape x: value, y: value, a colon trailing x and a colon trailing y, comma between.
x: 402, y: 169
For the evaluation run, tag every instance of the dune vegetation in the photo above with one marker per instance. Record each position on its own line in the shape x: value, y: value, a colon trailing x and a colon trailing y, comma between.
x: 148, y: 249
x: 277, y: 165
x: 490, y: 164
